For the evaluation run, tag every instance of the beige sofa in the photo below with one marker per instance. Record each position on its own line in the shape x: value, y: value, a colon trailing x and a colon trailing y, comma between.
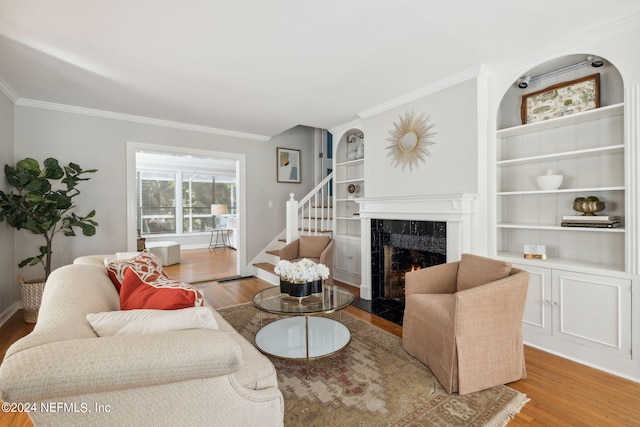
x: 180, y: 378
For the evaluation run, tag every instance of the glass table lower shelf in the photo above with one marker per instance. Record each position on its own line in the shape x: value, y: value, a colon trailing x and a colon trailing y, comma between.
x: 288, y: 338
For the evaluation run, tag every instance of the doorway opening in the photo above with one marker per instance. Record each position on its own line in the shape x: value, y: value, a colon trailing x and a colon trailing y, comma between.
x: 172, y: 192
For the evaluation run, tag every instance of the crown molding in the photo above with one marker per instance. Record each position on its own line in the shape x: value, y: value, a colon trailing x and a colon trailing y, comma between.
x: 452, y: 80
x: 22, y: 102
x: 8, y: 91
x: 341, y: 129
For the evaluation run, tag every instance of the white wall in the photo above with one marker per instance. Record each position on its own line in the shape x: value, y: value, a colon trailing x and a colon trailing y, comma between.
x: 453, y: 164
x: 457, y: 163
x: 9, y: 288
x: 100, y: 143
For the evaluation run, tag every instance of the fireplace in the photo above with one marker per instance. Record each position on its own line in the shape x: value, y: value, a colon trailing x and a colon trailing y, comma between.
x: 399, y: 246
x: 456, y: 210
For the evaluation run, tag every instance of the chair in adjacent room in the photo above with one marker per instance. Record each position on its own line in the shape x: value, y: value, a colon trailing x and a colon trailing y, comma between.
x: 464, y: 321
x: 316, y: 248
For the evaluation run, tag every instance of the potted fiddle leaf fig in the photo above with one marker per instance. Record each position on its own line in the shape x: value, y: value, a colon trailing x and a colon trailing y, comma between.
x: 42, y: 201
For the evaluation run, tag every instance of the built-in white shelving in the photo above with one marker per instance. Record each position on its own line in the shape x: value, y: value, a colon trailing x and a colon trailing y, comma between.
x: 571, y: 120
x: 579, y: 299
x: 564, y: 190
x: 576, y: 153
x: 559, y: 228
x: 588, y: 149
x: 347, y: 230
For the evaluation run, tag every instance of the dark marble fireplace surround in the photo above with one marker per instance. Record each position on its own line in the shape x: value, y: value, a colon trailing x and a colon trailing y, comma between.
x: 407, y: 244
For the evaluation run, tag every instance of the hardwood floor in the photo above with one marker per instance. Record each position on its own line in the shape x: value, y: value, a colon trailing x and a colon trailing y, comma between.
x: 562, y: 393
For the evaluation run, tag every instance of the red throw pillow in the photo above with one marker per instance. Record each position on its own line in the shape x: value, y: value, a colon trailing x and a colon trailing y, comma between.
x: 156, y: 292
x: 144, y: 264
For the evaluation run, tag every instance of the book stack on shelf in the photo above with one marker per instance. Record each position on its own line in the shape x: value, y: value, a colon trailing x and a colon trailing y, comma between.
x: 593, y: 221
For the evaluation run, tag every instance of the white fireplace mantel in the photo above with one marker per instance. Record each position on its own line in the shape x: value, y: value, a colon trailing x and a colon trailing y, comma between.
x: 454, y: 209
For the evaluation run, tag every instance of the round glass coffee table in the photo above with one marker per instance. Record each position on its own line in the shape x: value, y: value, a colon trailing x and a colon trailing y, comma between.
x: 303, y: 335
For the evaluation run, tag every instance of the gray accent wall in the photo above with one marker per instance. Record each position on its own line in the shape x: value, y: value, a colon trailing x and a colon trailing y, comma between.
x: 100, y: 143
x: 9, y: 289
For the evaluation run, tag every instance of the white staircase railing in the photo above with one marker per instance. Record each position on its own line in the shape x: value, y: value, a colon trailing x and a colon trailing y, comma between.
x: 313, y: 214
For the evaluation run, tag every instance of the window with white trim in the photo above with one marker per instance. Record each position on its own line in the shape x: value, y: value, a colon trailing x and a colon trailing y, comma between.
x: 179, y: 201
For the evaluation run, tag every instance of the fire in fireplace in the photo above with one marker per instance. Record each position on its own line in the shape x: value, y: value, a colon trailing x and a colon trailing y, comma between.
x: 398, y: 262
x: 399, y: 246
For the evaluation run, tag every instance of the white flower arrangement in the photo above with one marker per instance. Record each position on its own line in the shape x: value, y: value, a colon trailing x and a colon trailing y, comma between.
x: 301, y: 271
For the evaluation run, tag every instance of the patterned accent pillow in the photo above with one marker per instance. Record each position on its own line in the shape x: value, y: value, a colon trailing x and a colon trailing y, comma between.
x: 156, y: 292
x: 144, y: 264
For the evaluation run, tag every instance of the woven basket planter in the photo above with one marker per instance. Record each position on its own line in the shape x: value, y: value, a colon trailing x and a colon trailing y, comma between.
x: 31, y: 298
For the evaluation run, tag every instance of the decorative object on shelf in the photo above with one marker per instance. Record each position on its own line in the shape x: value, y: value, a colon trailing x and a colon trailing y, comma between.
x: 410, y: 140
x: 591, y: 221
x: 588, y: 205
x: 561, y: 99
x: 301, y: 278
x: 356, y: 146
x: 288, y: 165
x: 353, y: 189
x: 549, y: 181
x: 535, y: 252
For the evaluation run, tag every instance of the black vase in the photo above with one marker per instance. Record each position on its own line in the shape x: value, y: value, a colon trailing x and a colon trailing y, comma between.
x: 300, y: 289
x: 284, y: 286
x: 316, y: 286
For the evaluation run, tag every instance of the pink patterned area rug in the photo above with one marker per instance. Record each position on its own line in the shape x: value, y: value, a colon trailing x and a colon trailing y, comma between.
x: 374, y: 382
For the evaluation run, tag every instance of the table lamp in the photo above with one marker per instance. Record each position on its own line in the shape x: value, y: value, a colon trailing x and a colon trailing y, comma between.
x: 217, y: 210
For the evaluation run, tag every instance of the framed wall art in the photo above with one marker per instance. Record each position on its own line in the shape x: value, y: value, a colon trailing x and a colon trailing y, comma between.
x: 561, y: 99
x: 288, y: 165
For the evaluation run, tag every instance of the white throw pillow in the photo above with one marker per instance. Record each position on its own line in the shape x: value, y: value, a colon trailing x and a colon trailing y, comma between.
x: 126, y: 255
x: 130, y: 322
x: 131, y: 255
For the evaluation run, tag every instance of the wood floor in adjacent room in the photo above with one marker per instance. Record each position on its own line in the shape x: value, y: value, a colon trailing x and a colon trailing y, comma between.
x: 562, y: 393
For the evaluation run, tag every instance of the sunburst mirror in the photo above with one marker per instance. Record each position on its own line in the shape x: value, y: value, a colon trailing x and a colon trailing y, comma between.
x: 410, y: 140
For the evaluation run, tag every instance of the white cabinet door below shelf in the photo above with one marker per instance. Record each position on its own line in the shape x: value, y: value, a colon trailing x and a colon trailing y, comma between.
x: 594, y: 311
x: 537, y: 309
x: 347, y: 261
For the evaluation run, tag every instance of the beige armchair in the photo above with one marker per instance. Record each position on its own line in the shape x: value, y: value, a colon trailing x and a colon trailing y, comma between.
x: 316, y: 248
x: 464, y: 320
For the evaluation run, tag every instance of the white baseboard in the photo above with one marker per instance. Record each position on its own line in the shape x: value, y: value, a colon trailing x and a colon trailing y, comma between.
x: 10, y: 311
x: 267, y: 276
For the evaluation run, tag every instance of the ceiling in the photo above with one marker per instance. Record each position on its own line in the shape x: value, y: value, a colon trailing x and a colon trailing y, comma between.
x: 261, y: 67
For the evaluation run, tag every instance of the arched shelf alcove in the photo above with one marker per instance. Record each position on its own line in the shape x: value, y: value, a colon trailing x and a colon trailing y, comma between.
x: 351, y: 146
x: 583, y: 269
x: 611, y: 85
x: 586, y: 148
x: 349, y: 185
